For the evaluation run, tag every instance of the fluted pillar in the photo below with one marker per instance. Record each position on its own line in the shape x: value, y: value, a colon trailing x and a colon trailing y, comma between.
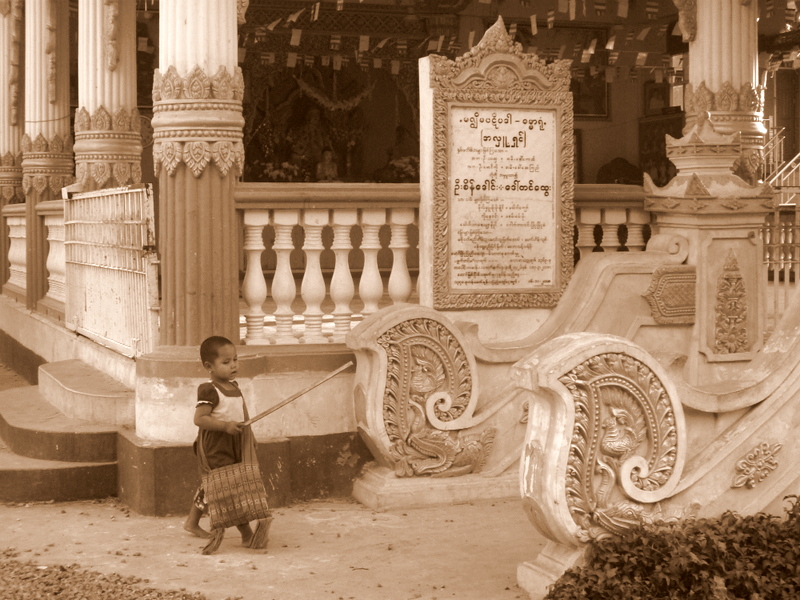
x: 723, y: 73
x: 108, y: 143
x: 198, y: 153
x: 46, y: 144
x: 12, y: 49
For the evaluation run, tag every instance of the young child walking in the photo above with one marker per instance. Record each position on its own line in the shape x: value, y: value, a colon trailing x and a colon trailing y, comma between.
x: 220, y: 414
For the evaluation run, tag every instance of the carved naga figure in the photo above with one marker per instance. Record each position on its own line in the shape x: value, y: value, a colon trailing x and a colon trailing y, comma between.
x: 416, y: 394
x: 626, y: 450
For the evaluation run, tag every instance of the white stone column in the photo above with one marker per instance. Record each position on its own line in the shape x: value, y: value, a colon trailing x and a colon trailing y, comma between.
x: 12, y: 50
x: 108, y: 144
x: 198, y: 153
x: 723, y: 73
x: 46, y: 145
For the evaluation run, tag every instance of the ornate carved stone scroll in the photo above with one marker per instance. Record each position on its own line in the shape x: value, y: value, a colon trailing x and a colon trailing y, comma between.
x: 754, y: 467
x: 671, y: 294
x: 606, y: 439
x: 502, y: 182
x: 415, y: 395
x: 215, y: 135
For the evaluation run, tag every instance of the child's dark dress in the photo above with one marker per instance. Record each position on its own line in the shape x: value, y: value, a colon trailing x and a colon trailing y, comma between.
x: 220, y: 448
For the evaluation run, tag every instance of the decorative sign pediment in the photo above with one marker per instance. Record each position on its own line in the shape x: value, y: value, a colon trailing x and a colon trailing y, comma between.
x: 503, y: 177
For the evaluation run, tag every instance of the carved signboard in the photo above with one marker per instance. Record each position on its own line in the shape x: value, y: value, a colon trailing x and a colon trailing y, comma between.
x: 503, y: 207
x: 500, y: 191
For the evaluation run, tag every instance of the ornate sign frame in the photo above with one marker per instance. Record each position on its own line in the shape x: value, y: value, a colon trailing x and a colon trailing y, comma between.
x: 496, y: 73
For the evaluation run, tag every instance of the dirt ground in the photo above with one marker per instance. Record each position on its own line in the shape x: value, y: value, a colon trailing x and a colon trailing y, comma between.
x: 325, y: 549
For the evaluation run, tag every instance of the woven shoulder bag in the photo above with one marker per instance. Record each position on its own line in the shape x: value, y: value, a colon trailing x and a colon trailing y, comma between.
x: 235, y: 494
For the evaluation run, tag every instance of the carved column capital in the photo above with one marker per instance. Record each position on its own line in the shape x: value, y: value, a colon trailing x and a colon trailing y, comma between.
x: 11, y: 178
x: 46, y: 163
x: 197, y: 120
x: 108, y: 146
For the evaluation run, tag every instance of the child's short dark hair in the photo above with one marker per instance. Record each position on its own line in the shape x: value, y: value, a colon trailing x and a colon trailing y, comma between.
x: 209, y: 349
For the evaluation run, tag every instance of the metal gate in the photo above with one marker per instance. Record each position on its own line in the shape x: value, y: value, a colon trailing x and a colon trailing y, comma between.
x: 112, y: 268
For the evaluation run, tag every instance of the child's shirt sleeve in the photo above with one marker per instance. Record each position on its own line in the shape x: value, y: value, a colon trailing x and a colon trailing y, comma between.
x: 207, y: 395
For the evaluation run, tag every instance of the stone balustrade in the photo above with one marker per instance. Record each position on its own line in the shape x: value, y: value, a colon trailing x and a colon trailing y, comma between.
x: 610, y: 218
x: 320, y: 256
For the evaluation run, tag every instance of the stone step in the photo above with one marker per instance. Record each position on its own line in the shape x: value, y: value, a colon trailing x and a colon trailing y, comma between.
x: 24, y: 479
x: 32, y: 427
x: 82, y: 392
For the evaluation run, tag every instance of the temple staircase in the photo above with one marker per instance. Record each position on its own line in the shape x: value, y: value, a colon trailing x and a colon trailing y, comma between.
x: 58, y: 439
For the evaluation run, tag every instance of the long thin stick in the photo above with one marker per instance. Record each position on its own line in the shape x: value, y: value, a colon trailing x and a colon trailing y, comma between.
x: 296, y: 395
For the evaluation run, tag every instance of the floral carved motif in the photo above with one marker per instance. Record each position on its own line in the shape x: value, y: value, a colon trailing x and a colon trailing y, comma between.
x: 197, y: 85
x: 746, y: 100
x: 120, y: 162
x: 671, y: 294
x: 624, y: 443
x: 40, y: 178
x: 554, y: 76
x: 754, y: 467
x: 55, y: 145
x: 197, y: 155
x: 11, y: 178
x: 730, y: 334
x: 123, y: 121
x: 428, y: 372
x: 217, y: 142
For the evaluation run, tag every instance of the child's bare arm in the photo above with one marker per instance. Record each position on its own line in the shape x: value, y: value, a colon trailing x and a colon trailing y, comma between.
x: 203, y: 418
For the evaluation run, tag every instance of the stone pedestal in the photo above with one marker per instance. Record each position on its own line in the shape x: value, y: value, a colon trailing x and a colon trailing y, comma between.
x: 721, y: 215
x: 380, y: 489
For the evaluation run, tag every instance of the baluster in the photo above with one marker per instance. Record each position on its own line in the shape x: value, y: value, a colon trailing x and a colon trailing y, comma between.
x: 254, y: 286
x: 17, y: 276
x: 342, y: 287
x: 284, y: 289
x: 612, y: 219
x: 370, y: 287
x: 587, y: 219
x: 637, y: 219
x: 312, y: 288
x: 56, y: 265
x: 399, y: 278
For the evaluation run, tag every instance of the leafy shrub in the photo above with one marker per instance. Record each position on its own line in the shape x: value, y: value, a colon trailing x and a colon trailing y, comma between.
x: 724, y: 558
